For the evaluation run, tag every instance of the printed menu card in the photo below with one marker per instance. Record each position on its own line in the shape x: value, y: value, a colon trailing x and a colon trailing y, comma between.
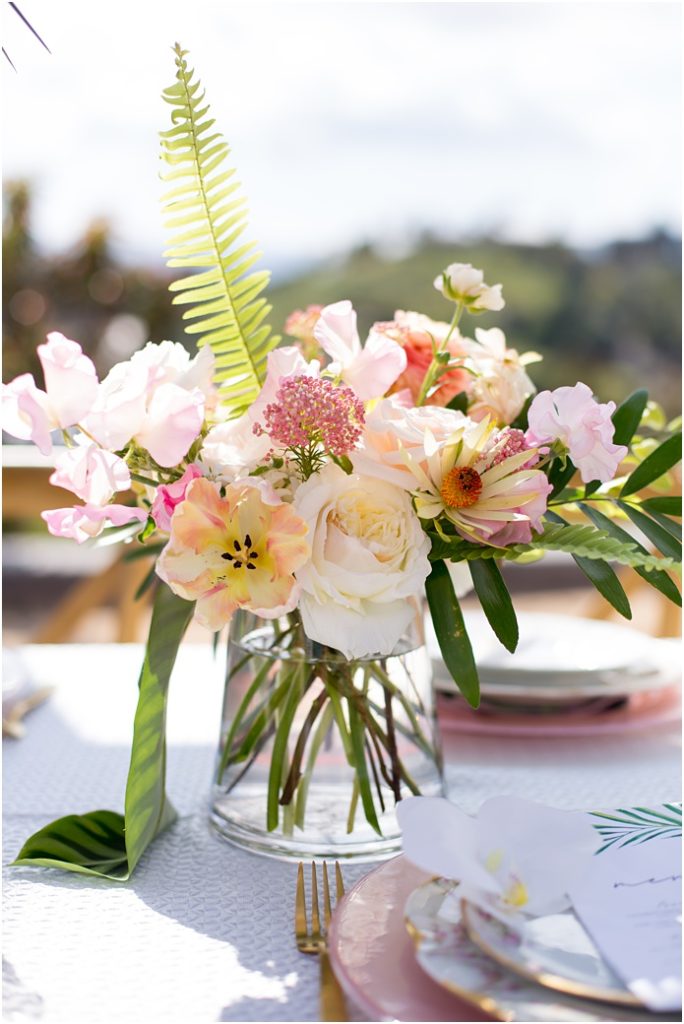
x: 630, y: 902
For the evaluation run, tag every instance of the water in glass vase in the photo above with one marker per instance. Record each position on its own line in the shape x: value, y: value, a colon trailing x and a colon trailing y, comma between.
x: 316, y: 750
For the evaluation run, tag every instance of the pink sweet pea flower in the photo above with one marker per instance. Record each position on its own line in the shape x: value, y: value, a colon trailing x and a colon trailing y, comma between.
x: 173, y: 420
x: 92, y: 473
x: 237, y: 551
x: 26, y: 412
x: 370, y: 370
x: 164, y: 418
x: 573, y: 416
x: 71, y: 385
x: 70, y: 379
x: 82, y: 522
x: 169, y: 496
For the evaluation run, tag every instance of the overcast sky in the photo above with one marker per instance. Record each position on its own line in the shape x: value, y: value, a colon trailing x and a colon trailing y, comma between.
x: 356, y: 121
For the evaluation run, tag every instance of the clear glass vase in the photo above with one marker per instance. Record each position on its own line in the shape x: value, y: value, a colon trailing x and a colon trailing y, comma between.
x: 316, y: 750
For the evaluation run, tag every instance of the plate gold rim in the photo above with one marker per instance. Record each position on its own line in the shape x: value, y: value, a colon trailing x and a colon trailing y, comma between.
x: 552, y: 981
x: 477, y: 999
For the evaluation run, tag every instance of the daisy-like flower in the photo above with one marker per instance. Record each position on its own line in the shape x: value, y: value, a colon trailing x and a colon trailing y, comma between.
x: 239, y: 551
x: 482, y: 481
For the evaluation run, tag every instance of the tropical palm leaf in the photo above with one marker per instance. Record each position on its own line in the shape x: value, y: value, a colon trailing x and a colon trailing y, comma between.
x: 207, y: 216
x: 638, y: 825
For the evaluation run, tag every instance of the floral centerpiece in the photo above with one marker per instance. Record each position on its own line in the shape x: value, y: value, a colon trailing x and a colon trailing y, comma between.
x: 312, y: 496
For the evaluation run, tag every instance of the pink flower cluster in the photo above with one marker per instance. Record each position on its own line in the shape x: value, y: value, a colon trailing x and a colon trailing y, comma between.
x: 313, y: 409
x: 511, y: 441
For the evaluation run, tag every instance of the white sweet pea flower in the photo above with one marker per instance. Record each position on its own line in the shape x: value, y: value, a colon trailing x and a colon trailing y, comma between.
x: 515, y: 857
x: 169, y: 362
x: 500, y: 384
x: 369, y: 370
x: 461, y: 282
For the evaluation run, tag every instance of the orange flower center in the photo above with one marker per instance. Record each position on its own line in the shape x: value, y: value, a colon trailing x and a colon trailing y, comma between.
x: 461, y: 487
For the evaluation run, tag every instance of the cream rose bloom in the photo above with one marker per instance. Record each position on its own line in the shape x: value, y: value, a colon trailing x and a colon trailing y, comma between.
x: 369, y: 559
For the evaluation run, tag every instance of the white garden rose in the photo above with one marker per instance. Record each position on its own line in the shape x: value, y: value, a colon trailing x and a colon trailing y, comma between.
x: 369, y: 562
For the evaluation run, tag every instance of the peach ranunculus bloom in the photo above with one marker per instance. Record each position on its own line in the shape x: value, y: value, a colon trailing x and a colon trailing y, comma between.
x: 240, y: 551
x: 394, y: 438
x: 415, y: 333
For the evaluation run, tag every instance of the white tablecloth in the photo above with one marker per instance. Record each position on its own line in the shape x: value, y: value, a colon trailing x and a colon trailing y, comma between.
x: 203, y: 931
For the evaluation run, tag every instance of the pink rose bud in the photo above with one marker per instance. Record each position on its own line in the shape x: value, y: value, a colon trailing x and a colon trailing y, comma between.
x: 169, y: 496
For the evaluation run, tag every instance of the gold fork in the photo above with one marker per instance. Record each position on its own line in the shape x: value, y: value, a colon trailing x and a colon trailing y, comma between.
x: 314, y: 939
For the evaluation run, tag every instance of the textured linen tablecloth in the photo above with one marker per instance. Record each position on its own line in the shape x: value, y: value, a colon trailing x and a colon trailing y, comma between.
x: 203, y: 931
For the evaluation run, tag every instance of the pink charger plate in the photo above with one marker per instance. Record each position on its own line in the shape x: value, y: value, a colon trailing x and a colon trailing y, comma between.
x: 373, y: 956
x: 641, y: 711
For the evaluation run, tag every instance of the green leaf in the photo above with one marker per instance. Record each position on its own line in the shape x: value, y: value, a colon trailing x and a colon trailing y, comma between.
x: 360, y: 767
x: 668, y: 454
x: 613, y: 544
x: 602, y: 576
x: 559, y: 475
x: 669, y: 505
x: 105, y: 843
x: 276, y: 775
x: 606, y: 581
x: 663, y: 539
x: 146, y: 808
x: 496, y: 602
x: 627, y: 417
x: 656, y: 577
x: 90, y: 844
x: 673, y: 528
x: 226, y: 308
x: 452, y: 636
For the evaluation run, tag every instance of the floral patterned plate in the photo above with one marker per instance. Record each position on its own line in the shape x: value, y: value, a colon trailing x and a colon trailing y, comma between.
x: 446, y: 954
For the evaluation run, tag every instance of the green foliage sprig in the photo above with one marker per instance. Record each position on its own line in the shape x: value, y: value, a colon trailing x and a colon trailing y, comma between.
x: 207, y: 217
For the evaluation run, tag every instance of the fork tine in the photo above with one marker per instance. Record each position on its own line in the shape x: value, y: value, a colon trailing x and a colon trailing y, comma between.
x: 315, y: 919
x: 300, y: 905
x: 338, y: 880
x: 327, y: 909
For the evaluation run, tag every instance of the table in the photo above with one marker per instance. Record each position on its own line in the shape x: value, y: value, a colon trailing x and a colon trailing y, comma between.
x: 203, y: 931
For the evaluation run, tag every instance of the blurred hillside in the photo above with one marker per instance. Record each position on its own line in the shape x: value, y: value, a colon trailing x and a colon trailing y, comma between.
x: 610, y: 317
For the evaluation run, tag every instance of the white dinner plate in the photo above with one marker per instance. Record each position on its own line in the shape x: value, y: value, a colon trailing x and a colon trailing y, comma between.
x: 562, y: 659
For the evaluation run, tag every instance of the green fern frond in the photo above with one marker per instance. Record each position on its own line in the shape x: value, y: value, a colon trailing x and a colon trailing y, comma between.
x: 207, y: 216
x: 584, y: 541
